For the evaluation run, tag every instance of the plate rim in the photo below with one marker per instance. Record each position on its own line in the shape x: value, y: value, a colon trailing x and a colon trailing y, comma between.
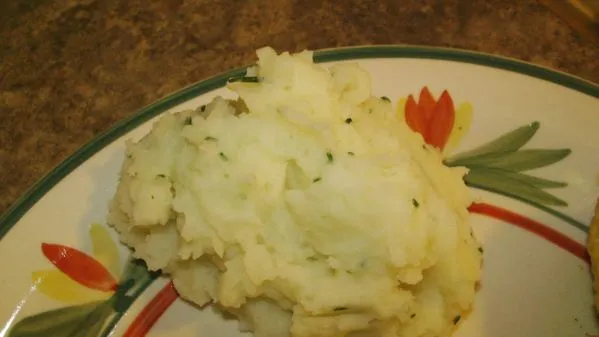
x: 36, y: 191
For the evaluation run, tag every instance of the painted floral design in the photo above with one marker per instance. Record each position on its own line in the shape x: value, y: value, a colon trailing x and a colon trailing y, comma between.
x: 500, y: 166
x: 441, y: 124
x: 88, y: 284
x: 78, y: 277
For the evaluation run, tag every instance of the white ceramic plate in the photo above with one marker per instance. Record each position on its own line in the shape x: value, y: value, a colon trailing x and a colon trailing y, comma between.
x: 63, y: 274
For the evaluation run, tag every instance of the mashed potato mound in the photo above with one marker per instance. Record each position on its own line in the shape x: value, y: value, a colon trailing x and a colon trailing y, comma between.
x: 306, y: 207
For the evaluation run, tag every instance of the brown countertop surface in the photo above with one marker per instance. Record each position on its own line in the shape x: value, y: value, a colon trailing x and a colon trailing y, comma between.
x: 70, y: 69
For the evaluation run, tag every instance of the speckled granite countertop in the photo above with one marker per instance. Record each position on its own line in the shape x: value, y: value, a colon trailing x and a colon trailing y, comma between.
x: 70, y: 69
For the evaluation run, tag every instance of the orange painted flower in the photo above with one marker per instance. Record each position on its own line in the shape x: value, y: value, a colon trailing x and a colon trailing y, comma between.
x: 437, y: 120
x: 79, y: 277
x: 92, y: 285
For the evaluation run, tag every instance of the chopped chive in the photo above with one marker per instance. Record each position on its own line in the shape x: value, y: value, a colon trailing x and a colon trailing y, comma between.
x: 339, y: 308
x: 456, y: 319
x: 481, y: 250
x: 246, y: 79
x: 415, y: 203
x: 161, y: 176
x: 223, y: 156
x: 187, y: 121
x: 203, y: 108
x: 385, y: 98
x: 330, y: 157
x: 210, y: 139
x: 312, y: 258
x: 348, y: 121
x: 351, y: 153
x: 413, y: 315
x: 317, y: 180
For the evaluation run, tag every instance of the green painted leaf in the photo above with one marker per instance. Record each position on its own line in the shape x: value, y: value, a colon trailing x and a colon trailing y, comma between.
x: 136, y: 270
x: 93, y: 323
x: 522, y: 160
x: 134, y: 279
x: 494, y: 181
x: 140, y: 284
x: 509, y: 142
x: 65, y: 322
x: 528, y: 179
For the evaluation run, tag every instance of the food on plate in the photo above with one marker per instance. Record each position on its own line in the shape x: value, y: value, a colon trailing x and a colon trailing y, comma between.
x: 305, y: 207
x: 593, y: 249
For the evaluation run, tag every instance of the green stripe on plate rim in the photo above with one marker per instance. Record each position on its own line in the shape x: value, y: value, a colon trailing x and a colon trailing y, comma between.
x: 39, y: 189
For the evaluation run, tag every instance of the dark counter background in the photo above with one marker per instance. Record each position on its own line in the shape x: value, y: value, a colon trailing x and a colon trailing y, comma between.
x: 70, y: 69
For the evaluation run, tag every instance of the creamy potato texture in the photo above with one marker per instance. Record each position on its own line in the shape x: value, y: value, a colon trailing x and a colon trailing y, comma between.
x: 306, y: 207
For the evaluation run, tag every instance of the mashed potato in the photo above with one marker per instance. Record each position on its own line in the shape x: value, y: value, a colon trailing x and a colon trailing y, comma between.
x: 307, y: 207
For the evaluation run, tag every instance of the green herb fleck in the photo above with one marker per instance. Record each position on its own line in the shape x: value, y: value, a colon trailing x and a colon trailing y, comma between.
x: 339, y: 308
x: 161, y: 176
x: 187, y: 121
x: 210, y: 139
x: 330, y: 157
x: 351, y: 153
x: 456, y: 319
x: 348, y: 121
x: 245, y: 79
x: 481, y: 250
x: 317, y: 180
x: 413, y: 315
x: 386, y: 99
x: 415, y: 203
x: 203, y: 108
x: 312, y: 258
x: 223, y: 156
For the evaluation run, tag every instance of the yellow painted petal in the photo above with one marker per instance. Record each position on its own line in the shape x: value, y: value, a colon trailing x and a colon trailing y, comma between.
x: 401, y: 107
x: 56, y: 285
x: 461, y: 125
x: 105, y: 250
